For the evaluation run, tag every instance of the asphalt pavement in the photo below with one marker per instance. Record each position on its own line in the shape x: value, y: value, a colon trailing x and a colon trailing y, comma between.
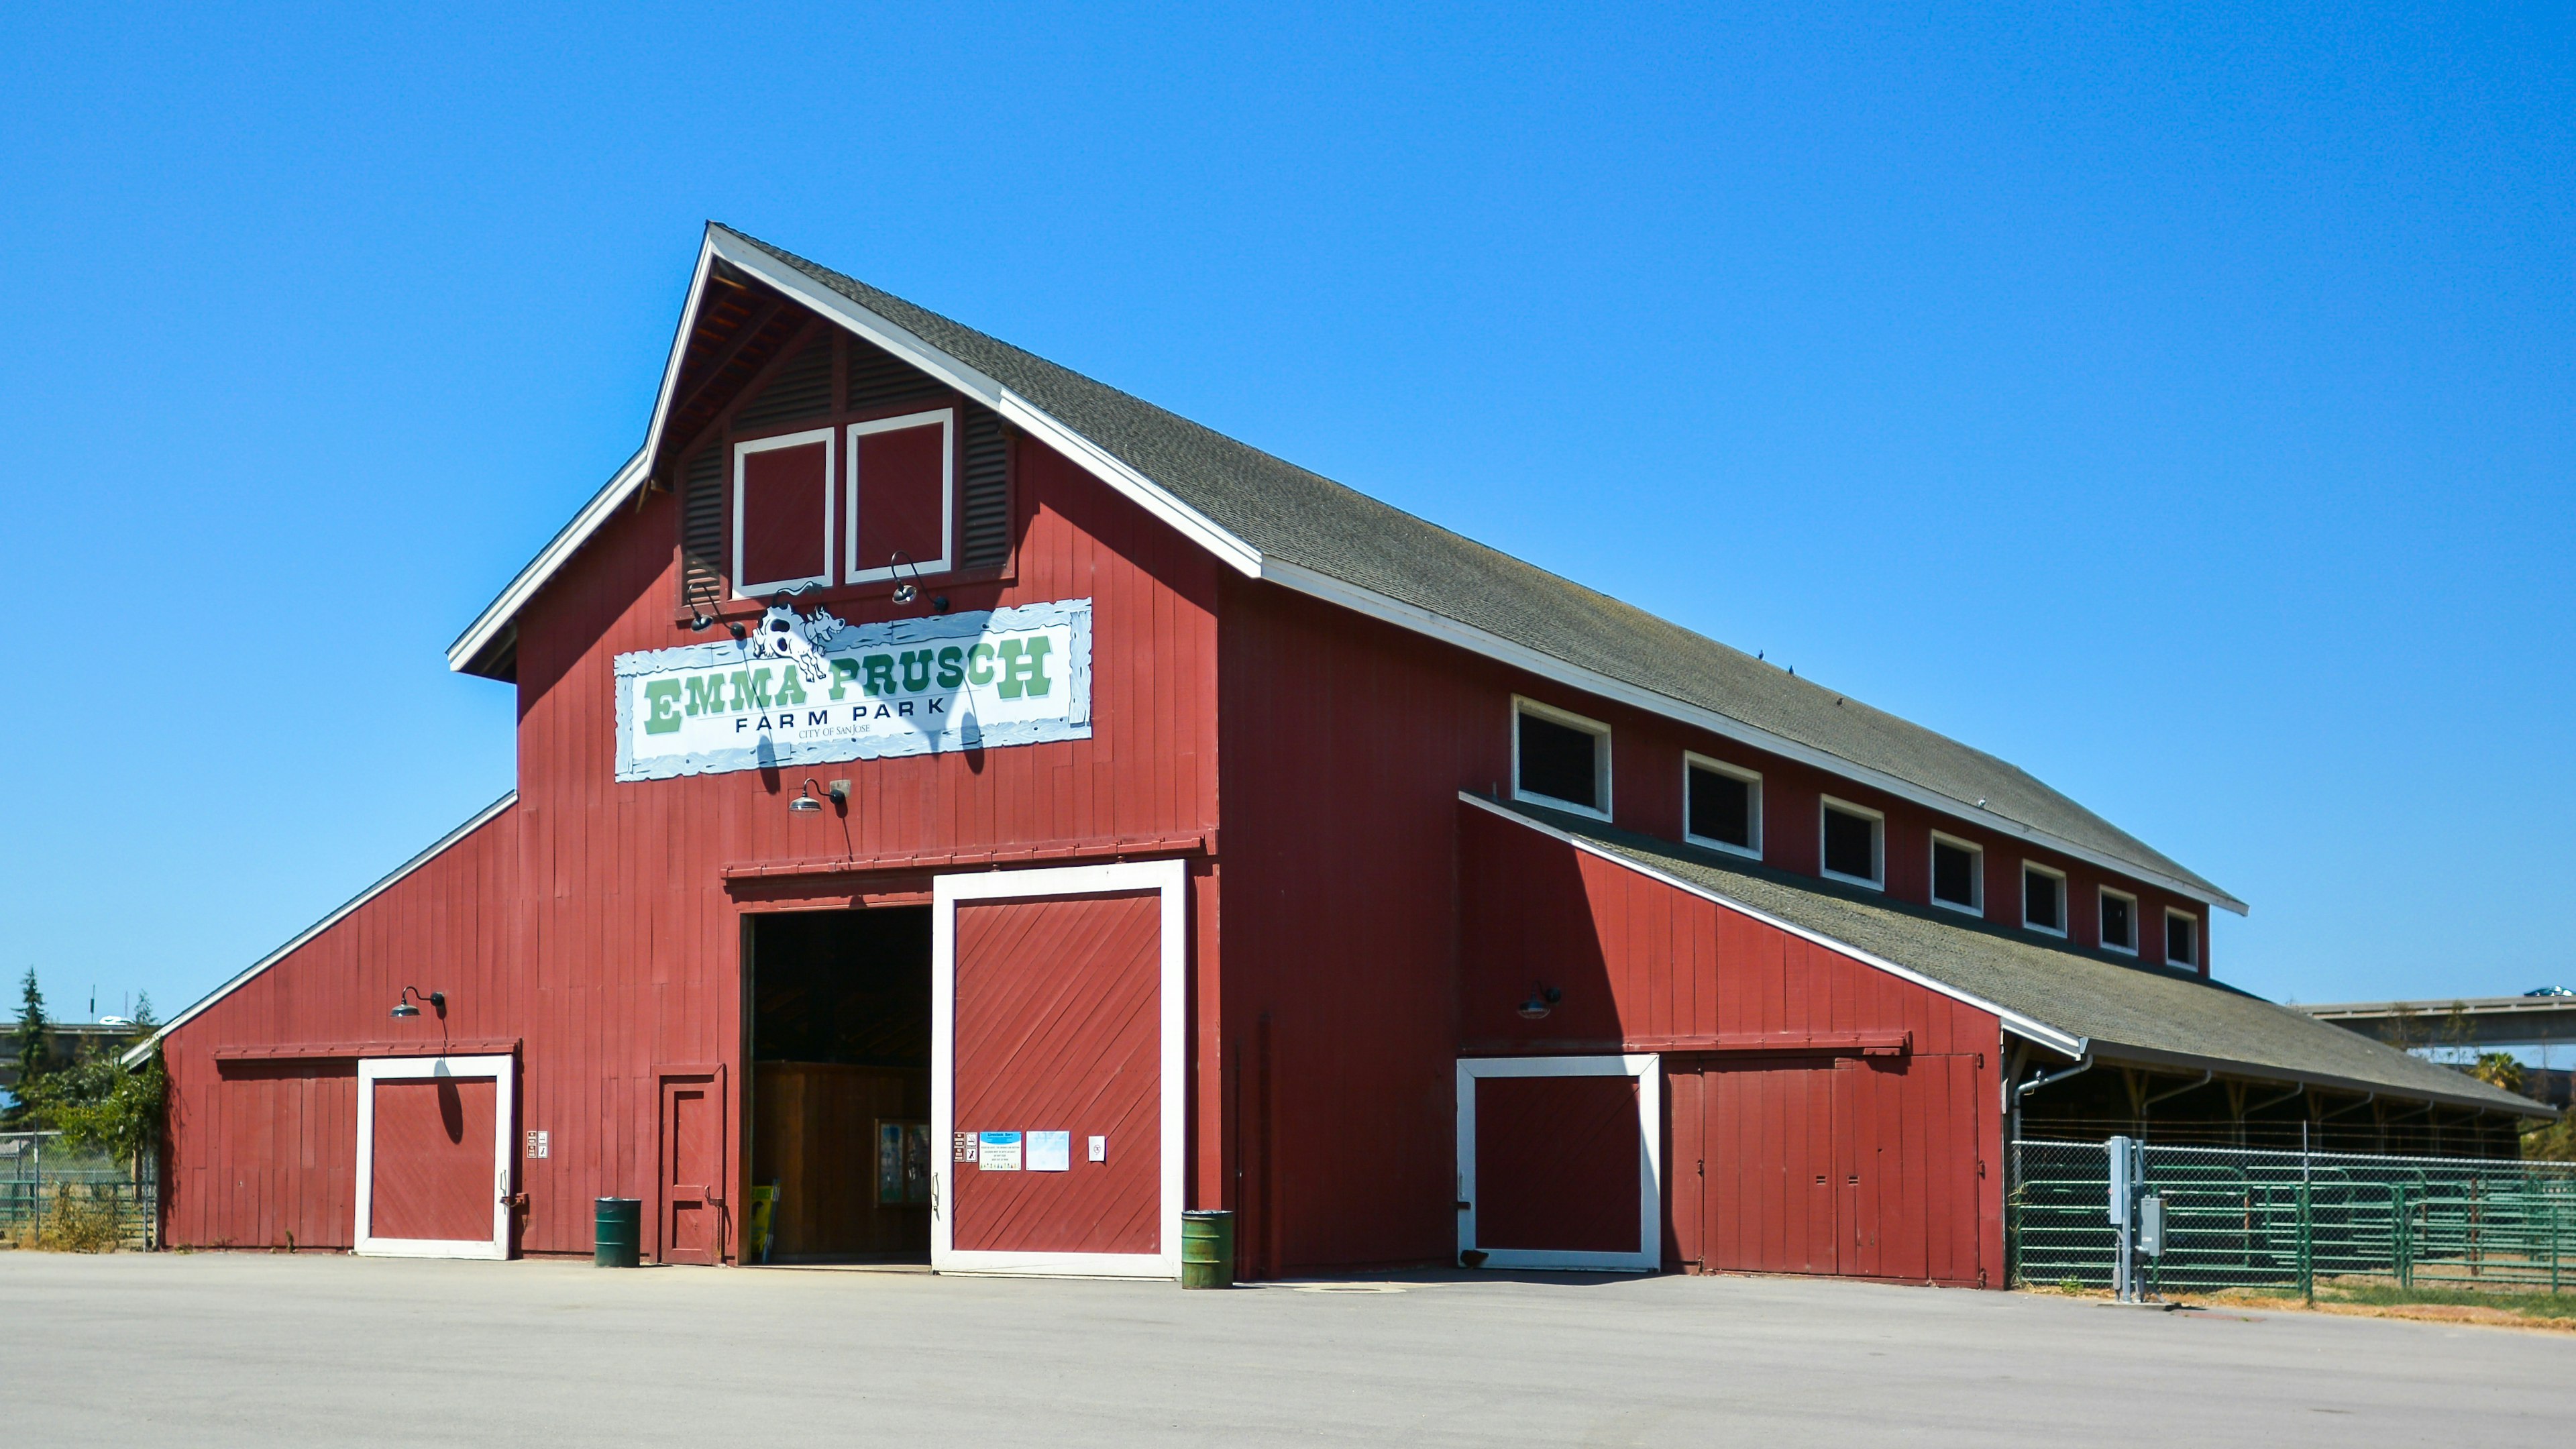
x: 273, y: 1350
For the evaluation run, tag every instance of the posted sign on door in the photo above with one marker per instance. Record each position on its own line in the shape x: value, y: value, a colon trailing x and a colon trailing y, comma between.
x: 807, y: 689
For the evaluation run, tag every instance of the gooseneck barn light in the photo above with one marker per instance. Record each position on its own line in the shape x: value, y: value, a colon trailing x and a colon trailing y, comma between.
x: 1542, y: 1000
x: 808, y: 803
x: 403, y: 1004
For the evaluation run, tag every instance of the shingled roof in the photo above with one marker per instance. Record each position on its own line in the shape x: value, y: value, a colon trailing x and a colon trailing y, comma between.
x: 1285, y: 523
x: 2111, y: 1007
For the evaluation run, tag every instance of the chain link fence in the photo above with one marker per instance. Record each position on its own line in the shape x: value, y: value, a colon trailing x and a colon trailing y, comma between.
x: 53, y: 1197
x: 2235, y: 1218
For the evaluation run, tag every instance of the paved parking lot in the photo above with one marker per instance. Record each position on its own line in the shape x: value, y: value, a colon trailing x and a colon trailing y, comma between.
x: 322, y: 1350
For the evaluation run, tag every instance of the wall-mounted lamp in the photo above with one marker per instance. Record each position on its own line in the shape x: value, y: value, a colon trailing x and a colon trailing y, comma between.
x: 1542, y: 1000
x: 809, y: 803
x: 403, y: 1004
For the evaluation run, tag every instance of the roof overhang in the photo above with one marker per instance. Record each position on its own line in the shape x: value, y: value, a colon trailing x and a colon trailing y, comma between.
x: 2156, y: 1059
x: 488, y: 638
x: 2028, y: 1028
x: 481, y: 818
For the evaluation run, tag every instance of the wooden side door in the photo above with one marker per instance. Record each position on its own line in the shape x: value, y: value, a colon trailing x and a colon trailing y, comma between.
x: 690, y: 1216
x: 1774, y: 1181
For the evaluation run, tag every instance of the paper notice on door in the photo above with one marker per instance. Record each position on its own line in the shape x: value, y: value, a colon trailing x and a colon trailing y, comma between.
x: 1050, y: 1151
x: 997, y: 1151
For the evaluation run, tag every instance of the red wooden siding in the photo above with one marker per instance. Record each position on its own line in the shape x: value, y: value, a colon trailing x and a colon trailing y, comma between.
x: 1556, y: 1163
x: 431, y: 1168
x: 261, y: 1149
x: 1781, y: 1163
x: 593, y: 922
x: 1058, y: 1020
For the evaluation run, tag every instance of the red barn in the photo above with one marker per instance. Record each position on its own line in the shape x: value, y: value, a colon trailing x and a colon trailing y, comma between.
x: 968, y: 814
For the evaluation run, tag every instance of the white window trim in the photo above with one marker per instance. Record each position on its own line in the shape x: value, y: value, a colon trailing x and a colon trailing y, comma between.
x: 1877, y: 842
x: 504, y: 1077
x: 946, y: 418
x: 1523, y: 704
x: 2199, y: 947
x: 1650, y: 1169
x: 2028, y: 869
x: 1171, y: 879
x: 744, y: 449
x: 1976, y: 906
x: 2107, y: 893
x: 1752, y: 778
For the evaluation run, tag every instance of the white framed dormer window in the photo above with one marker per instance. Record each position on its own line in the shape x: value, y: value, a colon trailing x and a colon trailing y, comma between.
x: 782, y: 513
x: 2182, y: 938
x: 1855, y: 843
x: 1958, y: 874
x: 902, y: 506
x: 1560, y: 759
x: 2043, y: 898
x: 2119, y: 921
x: 1721, y: 806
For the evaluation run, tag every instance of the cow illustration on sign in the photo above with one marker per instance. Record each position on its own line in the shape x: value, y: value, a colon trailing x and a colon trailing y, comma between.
x: 782, y: 635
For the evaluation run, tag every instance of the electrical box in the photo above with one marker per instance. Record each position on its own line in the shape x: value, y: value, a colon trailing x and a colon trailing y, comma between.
x: 2117, y: 1210
x: 2151, y: 1226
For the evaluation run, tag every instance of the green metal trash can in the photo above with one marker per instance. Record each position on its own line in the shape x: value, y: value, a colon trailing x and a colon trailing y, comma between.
x: 617, y: 1236
x: 1207, y: 1249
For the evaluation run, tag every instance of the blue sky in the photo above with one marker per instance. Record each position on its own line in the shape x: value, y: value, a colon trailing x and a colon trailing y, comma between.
x: 2175, y: 401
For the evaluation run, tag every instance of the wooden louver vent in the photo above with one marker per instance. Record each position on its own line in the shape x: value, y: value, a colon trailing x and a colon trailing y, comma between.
x: 984, y: 505
x: 801, y: 388
x: 702, y: 528
x: 878, y: 379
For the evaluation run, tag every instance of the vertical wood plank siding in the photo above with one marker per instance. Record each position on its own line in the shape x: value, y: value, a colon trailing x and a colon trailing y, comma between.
x: 591, y: 920
x: 1867, y: 1167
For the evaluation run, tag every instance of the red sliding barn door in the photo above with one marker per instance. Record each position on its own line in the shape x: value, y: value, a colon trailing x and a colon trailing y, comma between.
x: 1056, y: 1084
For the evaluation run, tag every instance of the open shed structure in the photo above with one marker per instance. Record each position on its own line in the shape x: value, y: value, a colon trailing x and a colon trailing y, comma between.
x: 970, y: 815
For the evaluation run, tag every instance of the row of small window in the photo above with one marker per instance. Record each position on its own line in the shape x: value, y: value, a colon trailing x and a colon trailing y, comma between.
x: 1563, y: 759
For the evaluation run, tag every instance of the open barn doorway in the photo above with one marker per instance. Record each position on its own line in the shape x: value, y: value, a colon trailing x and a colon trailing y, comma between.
x: 840, y: 1102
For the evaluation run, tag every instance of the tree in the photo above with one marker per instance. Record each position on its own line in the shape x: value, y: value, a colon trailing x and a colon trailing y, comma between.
x: 105, y: 1104
x: 2498, y: 1069
x: 32, y: 1046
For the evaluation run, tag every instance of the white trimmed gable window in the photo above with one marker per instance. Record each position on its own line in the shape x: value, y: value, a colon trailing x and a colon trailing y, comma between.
x: 1958, y: 874
x: 2043, y: 898
x: 2119, y: 921
x: 1721, y: 806
x: 1855, y: 843
x: 901, y: 507
x: 2182, y: 938
x: 1560, y: 759
x: 782, y: 513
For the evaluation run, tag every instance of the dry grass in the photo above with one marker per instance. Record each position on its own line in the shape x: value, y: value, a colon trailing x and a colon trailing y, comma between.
x: 74, y: 1224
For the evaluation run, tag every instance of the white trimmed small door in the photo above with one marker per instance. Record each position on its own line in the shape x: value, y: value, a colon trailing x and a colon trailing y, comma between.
x: 434, y: 1156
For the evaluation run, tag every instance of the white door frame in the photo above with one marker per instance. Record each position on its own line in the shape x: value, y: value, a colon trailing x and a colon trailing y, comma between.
x: 1171, y: 879
x: 1650, y: 1158
x: 500, y: 1069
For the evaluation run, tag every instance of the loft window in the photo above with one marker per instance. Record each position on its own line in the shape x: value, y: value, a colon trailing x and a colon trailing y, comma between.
x: 2182, y: 938
x: 1721, y: 806
x: 2043, y: 899
x: 1854, y: 837
x: 902, y: 496
x: 2119, y: 921
x: 1560, y: 759
x: 782, y: 513
x: 1958, y: 874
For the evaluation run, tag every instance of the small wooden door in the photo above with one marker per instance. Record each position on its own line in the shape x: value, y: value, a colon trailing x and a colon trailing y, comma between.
x: 1773, y: 1180
x: 434, y: 1163
x: 691, y: 1218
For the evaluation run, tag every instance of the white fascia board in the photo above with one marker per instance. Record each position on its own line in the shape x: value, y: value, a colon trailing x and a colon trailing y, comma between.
x: 1019, y: 411
x: 2026, y: 1027
x: 558, y: 551
x: 1547, y: 666
x: 482, y: 817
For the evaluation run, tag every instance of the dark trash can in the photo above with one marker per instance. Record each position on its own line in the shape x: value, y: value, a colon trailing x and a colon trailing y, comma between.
x: 1207, y: 1249
x: 617, y: 1238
